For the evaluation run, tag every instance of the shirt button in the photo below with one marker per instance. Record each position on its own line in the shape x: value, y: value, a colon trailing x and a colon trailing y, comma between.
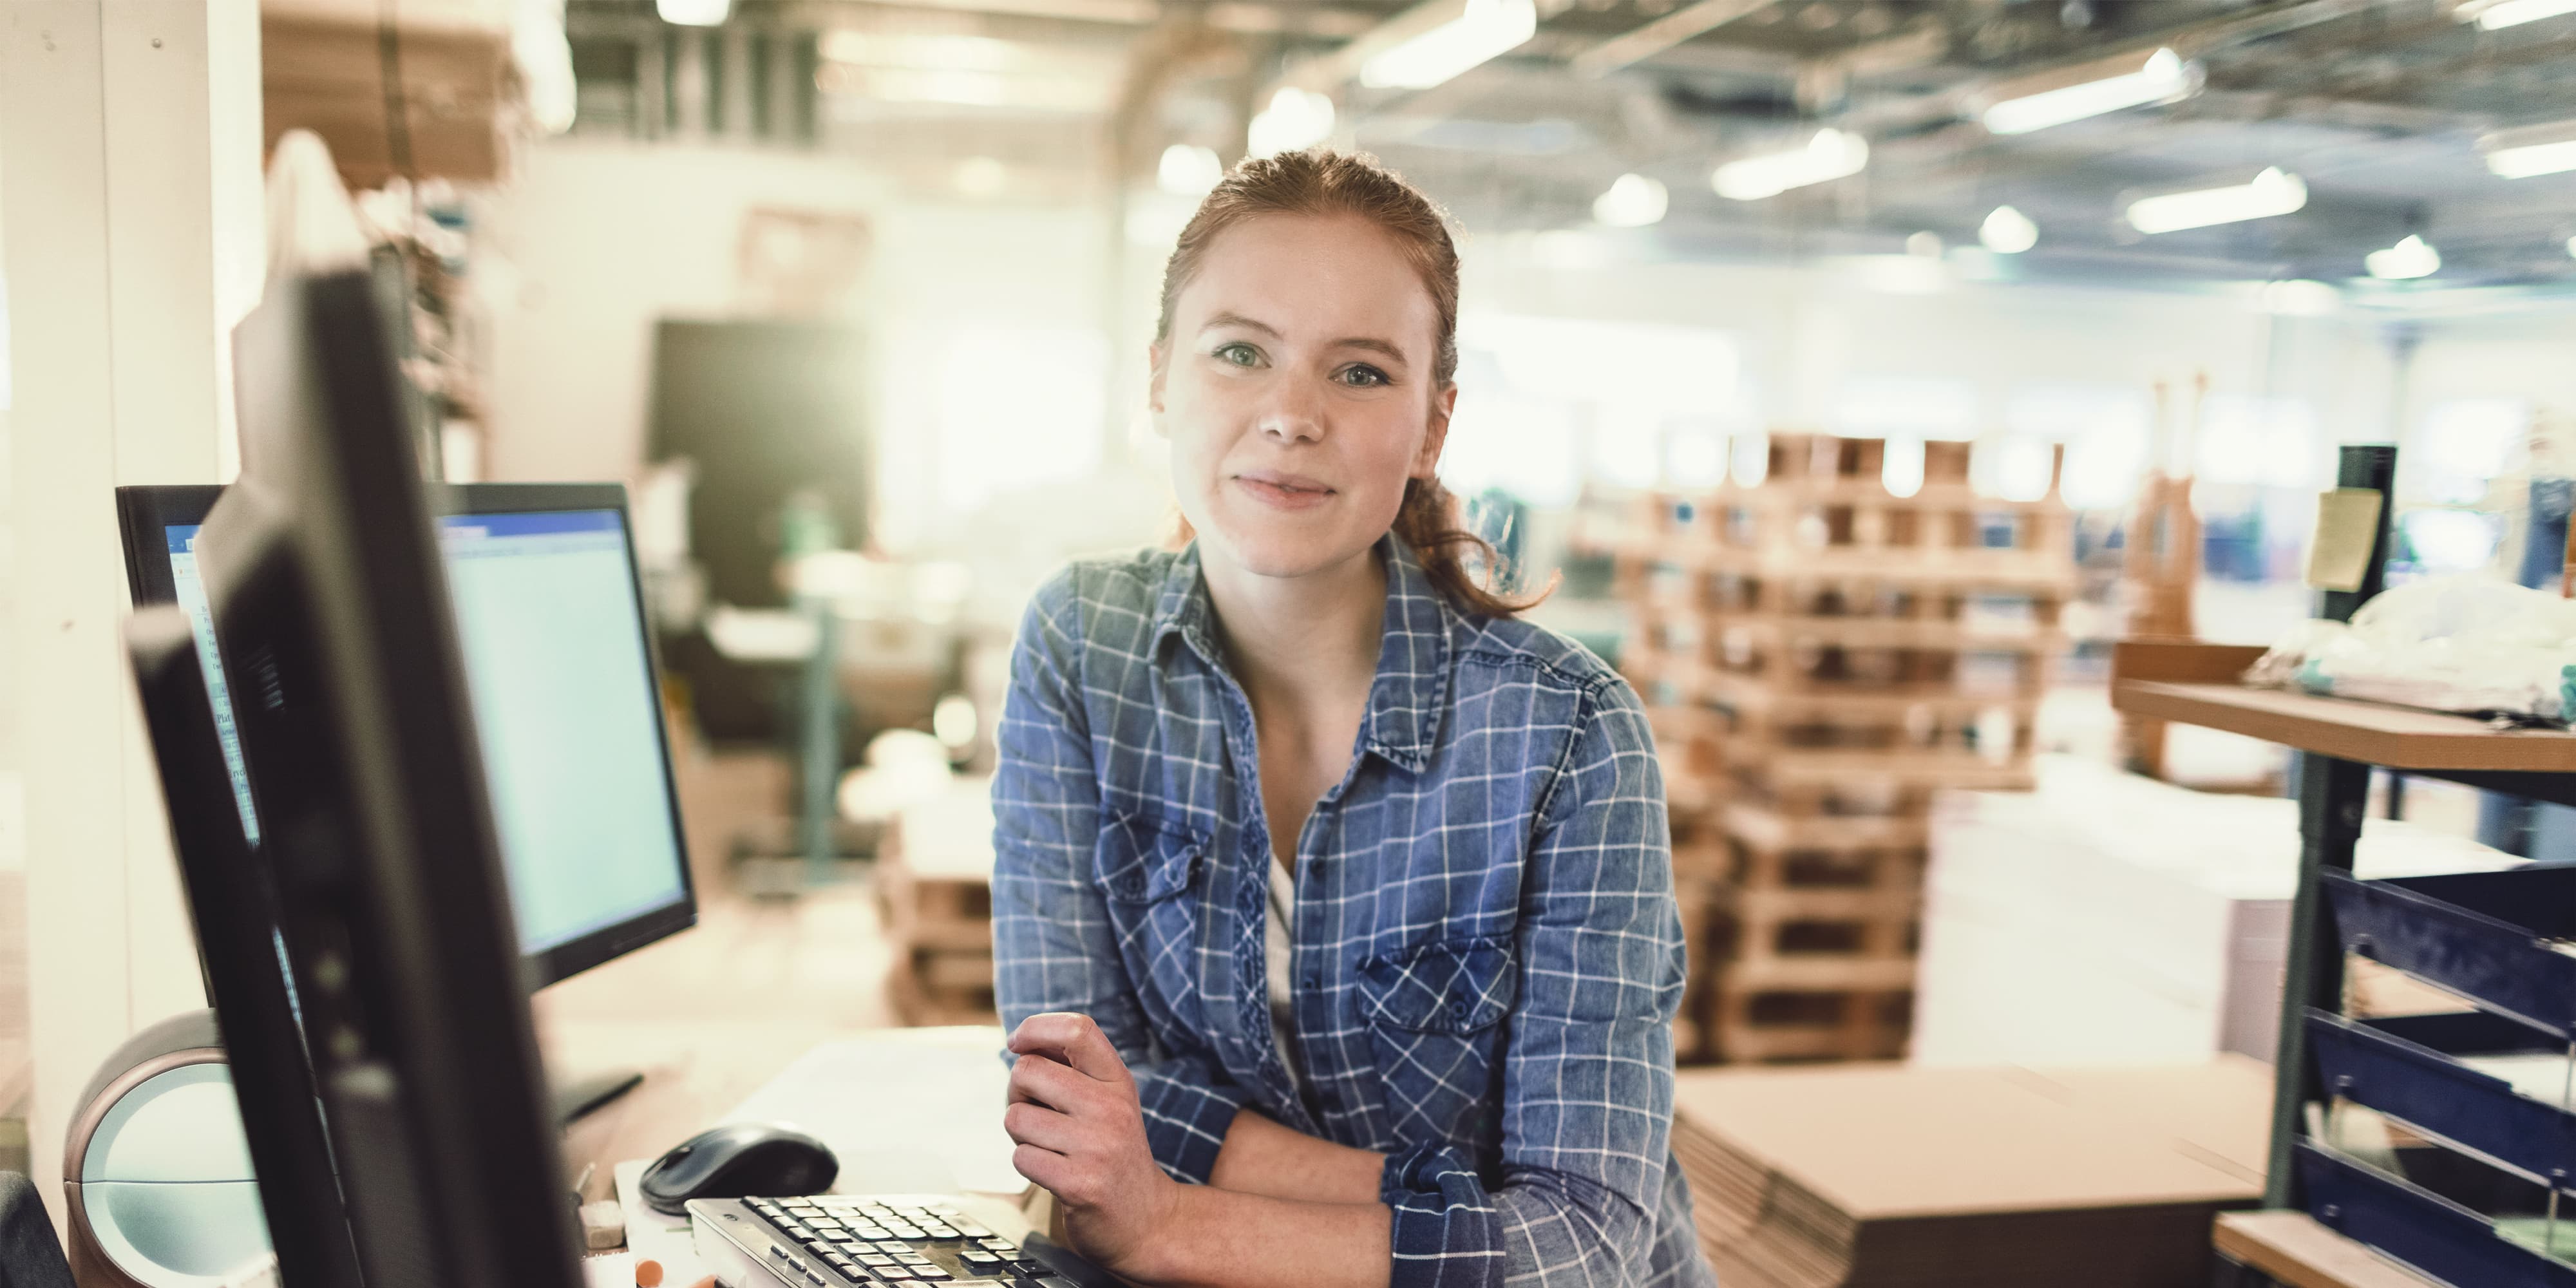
x: 1314, y: 980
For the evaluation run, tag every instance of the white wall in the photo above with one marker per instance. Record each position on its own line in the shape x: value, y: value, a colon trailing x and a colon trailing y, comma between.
x: 130, y: 135
x: 594, y: 241
x: 602, y: 238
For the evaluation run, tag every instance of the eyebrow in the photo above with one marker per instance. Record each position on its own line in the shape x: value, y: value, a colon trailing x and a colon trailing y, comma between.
x: 1369, y: 343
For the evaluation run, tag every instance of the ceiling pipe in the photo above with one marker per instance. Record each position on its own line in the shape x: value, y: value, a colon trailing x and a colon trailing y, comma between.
x: 1663, y: 33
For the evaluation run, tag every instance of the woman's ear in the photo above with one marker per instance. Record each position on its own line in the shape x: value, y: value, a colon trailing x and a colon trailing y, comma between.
x: 1426, y: 459
x: 1158, y: 365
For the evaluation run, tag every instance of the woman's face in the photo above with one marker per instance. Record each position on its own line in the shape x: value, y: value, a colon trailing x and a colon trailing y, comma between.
x: 1297, y: 390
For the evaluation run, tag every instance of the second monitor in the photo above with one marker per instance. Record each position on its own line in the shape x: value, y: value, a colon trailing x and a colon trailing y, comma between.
x: 550, y: 613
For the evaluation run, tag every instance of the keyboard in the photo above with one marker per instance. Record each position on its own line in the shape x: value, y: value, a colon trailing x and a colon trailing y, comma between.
x: 833, y: 1240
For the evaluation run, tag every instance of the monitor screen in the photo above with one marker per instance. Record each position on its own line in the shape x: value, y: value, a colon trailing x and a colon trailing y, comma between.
x: 564, y: 705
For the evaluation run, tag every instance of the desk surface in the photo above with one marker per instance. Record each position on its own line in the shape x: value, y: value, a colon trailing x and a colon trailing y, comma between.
x: 694, y: 1072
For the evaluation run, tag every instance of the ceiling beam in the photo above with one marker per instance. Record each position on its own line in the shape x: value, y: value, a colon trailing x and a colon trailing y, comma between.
x: 1661, y: 34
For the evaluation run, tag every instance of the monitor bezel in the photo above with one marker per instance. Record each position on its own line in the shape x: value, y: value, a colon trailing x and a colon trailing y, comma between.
x: 146, y: 512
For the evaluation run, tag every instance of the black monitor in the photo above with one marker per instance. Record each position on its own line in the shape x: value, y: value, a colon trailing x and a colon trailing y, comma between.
x: 551, y: 614
x: 380, y: 852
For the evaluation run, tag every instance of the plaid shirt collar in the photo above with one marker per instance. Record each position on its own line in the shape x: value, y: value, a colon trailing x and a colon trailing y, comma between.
x: 1412, y: 684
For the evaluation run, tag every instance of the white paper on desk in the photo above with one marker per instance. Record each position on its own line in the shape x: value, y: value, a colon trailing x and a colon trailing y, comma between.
x: 905, y: 1111
x: 650, y: 1235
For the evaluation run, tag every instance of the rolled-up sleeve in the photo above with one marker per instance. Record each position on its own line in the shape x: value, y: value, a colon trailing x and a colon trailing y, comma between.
x: 1053, y: 947
x: 1588, y: 1064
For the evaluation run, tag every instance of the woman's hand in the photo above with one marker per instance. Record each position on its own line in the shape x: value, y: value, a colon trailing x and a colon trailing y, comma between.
x: 1081, y: 1137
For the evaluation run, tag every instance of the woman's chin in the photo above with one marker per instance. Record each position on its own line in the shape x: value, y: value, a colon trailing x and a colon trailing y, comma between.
x: 1288, y: 549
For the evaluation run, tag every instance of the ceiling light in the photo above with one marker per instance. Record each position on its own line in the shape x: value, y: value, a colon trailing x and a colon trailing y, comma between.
x: 2413, y: 257
x: 2164, y: 79
x: 2008, y: 232
x: 1482, y: 30
x: 2533, y: 149
x: 2513, y: 13
x: 694, y: 13
x: 1832, y: 154
x: 1926, y: 243
x: 2571, y: 248
x: 1296, y: 118
x: 1633, y: 201
x: 2273, y: 192
x: 1188, y: 170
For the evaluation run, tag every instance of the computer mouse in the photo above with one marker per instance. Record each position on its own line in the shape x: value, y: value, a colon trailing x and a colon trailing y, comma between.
x: 740, y: 1160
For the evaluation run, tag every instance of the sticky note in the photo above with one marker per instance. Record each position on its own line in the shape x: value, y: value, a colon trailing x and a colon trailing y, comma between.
x: 2347, y: 526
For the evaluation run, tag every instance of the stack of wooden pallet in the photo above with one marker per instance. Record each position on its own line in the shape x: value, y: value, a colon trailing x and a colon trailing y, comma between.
x: 935, y: 890
x: 1819, y: 656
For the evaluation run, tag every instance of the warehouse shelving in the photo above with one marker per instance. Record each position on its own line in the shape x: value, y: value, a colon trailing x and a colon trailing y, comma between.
x: 2487, y: 938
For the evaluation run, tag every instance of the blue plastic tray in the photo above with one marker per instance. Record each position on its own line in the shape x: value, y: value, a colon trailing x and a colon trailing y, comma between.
x: 2434, y: 1235
x: 2483, y: 935
x: 2402, y: 1066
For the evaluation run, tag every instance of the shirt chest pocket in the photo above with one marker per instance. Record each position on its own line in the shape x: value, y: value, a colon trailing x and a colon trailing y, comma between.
x: 1151, y: 876
x: 1435, y: 1020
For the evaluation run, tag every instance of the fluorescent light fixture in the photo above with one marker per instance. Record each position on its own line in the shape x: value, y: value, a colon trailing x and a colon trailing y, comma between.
x: 1296, y: 118
x: 2165, y: 79
x: 2007, y: 232
x: 2413, y: 257
x: 1188, y: 170
x: 2513, y: 13
x: 1832, y: 154
x: 2531, y: 150
x: 694, y: 13
x: 1633, y: 201
x: 2571, y: 248
x: 2534, y: 158
x: 1484, y: 29
x: 2273, y: 192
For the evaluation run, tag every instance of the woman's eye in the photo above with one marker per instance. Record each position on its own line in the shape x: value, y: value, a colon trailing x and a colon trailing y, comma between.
x: 1241, y: 355
x: 1363, y: 376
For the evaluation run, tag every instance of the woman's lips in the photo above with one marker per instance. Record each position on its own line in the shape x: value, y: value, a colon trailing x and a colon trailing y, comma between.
x: 1284, y: 491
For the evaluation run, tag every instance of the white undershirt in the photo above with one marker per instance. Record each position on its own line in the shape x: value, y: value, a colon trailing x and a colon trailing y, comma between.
x: 1276, y: 949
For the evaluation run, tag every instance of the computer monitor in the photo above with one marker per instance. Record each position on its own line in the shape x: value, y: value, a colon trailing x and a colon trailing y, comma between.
x: 356, y: 731
x: 551, y: 614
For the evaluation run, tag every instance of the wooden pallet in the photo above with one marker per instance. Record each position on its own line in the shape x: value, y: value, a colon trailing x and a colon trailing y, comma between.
x: 920, y: 1002
x: 935, y: 893
x: 1808, y: 1020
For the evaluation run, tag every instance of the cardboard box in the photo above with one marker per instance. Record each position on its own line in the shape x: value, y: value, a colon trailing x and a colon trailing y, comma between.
x: 323, y: 68
x: 1857, y: 1176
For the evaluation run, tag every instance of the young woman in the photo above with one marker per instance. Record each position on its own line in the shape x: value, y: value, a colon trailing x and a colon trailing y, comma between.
x: 1334, y: 901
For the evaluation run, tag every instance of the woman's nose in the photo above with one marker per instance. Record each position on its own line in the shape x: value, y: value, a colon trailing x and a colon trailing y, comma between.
x: 1293, y: 412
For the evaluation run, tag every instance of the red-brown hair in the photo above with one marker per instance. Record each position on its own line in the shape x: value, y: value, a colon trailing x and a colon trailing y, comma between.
x: 1320, y: 181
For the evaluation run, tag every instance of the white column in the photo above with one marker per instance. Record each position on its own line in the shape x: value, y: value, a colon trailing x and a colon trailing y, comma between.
x: 129, y: 134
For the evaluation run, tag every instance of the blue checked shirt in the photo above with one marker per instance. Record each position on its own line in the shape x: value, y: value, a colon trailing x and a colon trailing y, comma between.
x: 1487, y: 956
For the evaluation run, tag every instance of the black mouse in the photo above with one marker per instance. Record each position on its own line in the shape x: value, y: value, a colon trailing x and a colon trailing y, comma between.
x: 743, y: 1160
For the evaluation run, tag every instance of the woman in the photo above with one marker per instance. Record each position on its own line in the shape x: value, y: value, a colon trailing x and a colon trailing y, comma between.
x: 1336, y: 902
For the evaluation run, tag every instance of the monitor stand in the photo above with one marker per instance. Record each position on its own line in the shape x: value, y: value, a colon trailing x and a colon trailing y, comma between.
x: 578, y: 1096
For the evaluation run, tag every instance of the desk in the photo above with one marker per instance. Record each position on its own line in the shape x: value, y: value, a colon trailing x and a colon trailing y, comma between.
x: 694, y: 1072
